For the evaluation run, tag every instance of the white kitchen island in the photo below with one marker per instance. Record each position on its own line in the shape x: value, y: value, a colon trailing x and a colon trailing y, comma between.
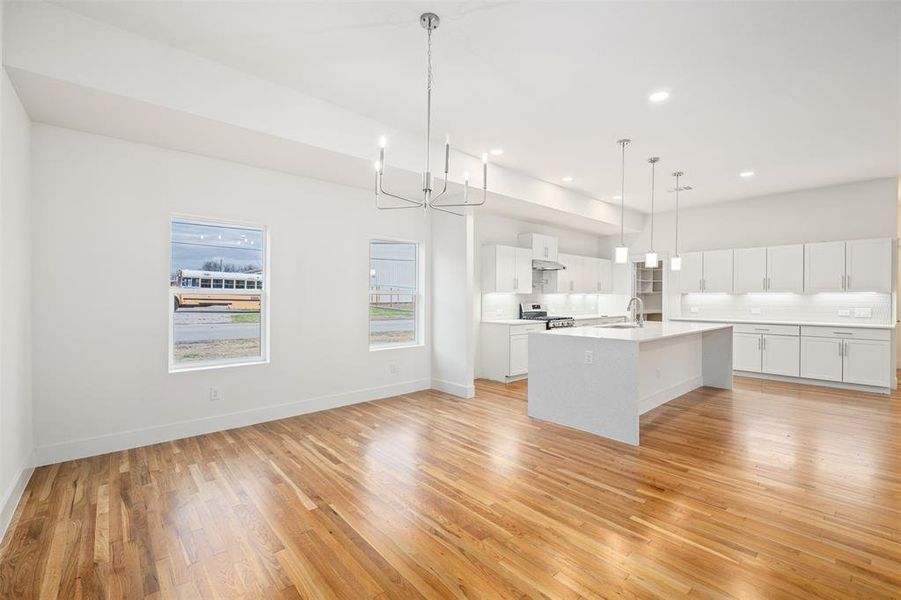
x: 601, y: 379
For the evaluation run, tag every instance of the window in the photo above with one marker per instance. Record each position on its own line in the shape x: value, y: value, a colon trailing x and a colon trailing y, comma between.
x: 394, y: 299
x: 214, y: 320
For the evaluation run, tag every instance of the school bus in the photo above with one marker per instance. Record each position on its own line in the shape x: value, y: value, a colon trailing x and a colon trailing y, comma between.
x: 194, y: 288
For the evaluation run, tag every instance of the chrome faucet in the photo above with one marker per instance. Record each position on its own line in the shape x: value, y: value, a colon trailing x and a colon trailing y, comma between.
x: 637, y: 316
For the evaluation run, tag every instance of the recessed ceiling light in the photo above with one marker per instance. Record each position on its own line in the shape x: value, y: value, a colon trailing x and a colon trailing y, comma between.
x: 566, y: 179
x: 658, y: 96
x: 496, y: 151
x: 746, y: 174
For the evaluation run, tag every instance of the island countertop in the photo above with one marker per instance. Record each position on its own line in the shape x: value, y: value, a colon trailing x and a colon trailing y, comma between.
x: 652, y: 330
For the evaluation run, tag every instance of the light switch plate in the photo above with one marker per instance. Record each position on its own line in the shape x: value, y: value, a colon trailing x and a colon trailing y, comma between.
x: 863, y: 313
x: 755, y: 311
x: 844, y: 312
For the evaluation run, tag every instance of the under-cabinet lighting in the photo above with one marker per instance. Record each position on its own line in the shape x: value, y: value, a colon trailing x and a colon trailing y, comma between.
x: 659, y: 96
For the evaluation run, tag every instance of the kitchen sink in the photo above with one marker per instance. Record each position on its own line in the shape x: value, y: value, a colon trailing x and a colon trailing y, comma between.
x: 622, y: 326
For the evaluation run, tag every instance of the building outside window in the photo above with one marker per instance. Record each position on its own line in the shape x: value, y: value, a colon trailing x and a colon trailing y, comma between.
x: 217, y: 294
x: 394, y: 294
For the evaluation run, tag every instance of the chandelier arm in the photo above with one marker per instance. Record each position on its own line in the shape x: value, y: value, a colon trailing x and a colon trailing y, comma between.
x: 450, y: 212
x: 382, y: 191
x: 480, y: 203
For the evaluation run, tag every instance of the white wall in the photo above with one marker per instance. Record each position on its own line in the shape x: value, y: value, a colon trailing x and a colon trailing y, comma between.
x: 102, y: 208
x: 16, y: 456
x: 452, y: 307
x: 865, y: 209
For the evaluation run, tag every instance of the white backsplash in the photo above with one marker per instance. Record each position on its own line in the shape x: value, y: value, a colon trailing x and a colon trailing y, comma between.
x: 506, y: 306
x: 829, y: 307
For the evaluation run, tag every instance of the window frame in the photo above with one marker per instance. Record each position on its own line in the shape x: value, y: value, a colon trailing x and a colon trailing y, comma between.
x: 419, y: 316
x: 265, y: 317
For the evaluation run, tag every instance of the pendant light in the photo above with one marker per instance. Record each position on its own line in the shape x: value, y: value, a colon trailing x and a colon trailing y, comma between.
x: 429, y: 22
x: 621, y: 254
x: 675, y: 263
x: 650, y: 259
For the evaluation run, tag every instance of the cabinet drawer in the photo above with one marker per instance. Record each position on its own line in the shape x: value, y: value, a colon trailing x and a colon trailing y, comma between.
x: 767, y: 329
x: 523, y: 329
x: 846, y: 332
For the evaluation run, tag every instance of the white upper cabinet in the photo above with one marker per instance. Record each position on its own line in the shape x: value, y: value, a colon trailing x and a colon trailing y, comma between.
x: 717, y: 271
x: 506, y: 269
x: 750, y: 270
x: 523, y: 271
x: 597, y: 277
x: 569, y: 280
x: 605, y: 276
x: 853, y: 266
x: 824, y: 267
x: 868, y: 265
x: 691, y: 273
x: 544, y: 247
x: 773, y: 269
x: 785, y: 268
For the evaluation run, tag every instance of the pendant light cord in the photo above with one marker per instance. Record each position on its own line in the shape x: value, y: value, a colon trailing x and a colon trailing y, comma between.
x: 677, y: 214
x: 428, y: 106
x: 653, y: 162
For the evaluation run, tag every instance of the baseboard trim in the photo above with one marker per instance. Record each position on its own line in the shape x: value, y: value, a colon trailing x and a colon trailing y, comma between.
x: 136, y: 438
x: 455, y: 389
x: 10, y: 499
x: 816, y: 382
x: 671, y: 393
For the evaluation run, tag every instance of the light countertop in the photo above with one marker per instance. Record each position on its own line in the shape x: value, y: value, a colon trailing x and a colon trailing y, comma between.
x: 532, y: 322
x: 652, y: 331
x: 776, y: 322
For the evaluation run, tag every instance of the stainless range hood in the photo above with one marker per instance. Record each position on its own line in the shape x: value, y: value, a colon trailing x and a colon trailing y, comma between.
x: 546, y: 265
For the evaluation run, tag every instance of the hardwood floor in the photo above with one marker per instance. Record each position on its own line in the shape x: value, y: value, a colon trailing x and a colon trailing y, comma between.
x: 771, y: 490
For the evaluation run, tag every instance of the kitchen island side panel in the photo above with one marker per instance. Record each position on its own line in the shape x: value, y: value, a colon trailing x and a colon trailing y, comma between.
x: 600, y: 396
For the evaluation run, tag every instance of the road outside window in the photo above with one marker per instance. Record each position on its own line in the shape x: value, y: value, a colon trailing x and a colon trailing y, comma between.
x: 216, y: 284
x: 393, y: 294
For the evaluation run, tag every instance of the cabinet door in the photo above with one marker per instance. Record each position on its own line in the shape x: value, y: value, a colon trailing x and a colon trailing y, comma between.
x: 718, y: 271
x: 785, y: 268
x: 746, y: 352
x: 824, y: 267
x: 569, y: 279
x: 691, y: 273
x: 750, y: 270
x: 781, y: 355
x: 522, y: 277
x: 868, y: 362
x: 590, y: 283
x: 519, y: 354
x: 821, y: 358
x: 605, y: 276
x: 505, y: 269
x: 868, y: 265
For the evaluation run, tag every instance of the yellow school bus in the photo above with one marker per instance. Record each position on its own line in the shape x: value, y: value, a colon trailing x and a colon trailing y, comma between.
x: 195, y: 288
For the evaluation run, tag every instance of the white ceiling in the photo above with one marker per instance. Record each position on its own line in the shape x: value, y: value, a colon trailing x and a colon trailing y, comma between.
x: 804, y: 94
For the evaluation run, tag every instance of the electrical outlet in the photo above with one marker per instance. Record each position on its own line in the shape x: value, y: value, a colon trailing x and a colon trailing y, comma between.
x: 755, y: 311
x: 844, y: 312
x: 863, y: 313
x: 392, y: 367
x: 589, y: 357
x: 694, y: 310
x: 214, y: 394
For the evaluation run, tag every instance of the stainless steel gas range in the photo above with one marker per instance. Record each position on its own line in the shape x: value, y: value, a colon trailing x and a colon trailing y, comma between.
x: 534, y: 311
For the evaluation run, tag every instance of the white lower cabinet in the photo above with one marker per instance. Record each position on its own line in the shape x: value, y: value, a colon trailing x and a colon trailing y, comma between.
x: 769, y: 349
x: 847, y: 354
x: 821, y: 358
x: 519, y: 354
x: 867, y: 362
x: 746, y: 352
x: 781, y: 355
x: 504, y: 349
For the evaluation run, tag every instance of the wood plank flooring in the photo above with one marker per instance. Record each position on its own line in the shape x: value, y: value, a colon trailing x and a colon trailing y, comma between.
x: 771, y: 490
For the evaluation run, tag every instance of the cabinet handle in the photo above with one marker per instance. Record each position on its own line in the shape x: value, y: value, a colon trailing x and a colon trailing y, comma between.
x: 845, y: 344
x: 758, y: 343
x: 843, y: 333
x: 769, y: 283
x: 847, y: 282
x: 843, y: 282
x: 840, y: 344
x: 516, y: 283
x: 763, y: 338
x: 764, y: 283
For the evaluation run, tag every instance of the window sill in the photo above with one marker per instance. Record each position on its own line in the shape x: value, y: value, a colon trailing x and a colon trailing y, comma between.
x: 218, y: 365
x: 396, y: 347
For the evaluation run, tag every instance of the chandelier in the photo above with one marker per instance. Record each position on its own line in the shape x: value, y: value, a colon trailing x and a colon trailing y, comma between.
x: 429, y: 22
